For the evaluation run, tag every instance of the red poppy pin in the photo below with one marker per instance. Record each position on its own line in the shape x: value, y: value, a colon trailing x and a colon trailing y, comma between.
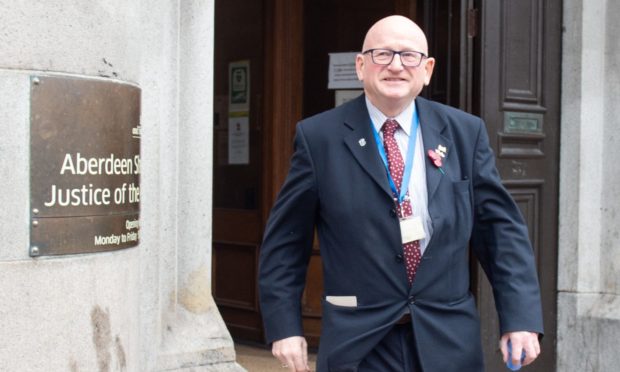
x: 437, y: 156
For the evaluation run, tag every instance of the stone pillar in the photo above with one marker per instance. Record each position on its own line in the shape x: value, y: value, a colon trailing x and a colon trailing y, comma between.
x: 589, y: 275
x: 147, y: 308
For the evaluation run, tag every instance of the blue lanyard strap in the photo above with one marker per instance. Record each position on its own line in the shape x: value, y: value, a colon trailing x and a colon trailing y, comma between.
x: 408, y: 162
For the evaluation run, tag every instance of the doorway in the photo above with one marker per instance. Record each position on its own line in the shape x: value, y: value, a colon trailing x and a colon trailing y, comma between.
x: 498, y: 60
x: 284, y: 45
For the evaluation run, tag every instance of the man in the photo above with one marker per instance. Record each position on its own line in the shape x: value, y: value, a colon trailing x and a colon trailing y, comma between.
x: 395, y: 259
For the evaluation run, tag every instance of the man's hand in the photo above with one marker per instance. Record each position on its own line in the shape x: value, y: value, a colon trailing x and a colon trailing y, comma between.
x: 520, y: 341
x: 292, y: 352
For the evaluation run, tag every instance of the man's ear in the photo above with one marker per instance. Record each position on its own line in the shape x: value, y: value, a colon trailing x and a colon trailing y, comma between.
x: 359, y: 66
x: 429, y: 65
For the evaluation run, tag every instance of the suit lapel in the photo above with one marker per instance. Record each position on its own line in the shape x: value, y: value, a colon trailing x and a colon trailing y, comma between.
x: 361, y: 143
x: 432, y: 126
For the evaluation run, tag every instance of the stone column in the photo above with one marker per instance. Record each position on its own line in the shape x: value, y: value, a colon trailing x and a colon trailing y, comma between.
x: 147, y: 308
x: 589, y: 254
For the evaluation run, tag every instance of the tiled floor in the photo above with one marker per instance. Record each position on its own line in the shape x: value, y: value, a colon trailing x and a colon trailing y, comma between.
x: 256, y: 359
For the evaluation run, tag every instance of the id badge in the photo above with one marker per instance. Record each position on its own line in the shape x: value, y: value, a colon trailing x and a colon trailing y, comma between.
x: 411, y: 229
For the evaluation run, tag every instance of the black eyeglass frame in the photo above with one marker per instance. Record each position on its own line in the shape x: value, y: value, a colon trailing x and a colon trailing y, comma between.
x: 395, y: 52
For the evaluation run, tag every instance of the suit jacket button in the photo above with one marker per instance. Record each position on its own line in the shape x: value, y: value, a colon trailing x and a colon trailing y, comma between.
x: 412, y: 300
x: 399, y: 258
x: 393, y: 212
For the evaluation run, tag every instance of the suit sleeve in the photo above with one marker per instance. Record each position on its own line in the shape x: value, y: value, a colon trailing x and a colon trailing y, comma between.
x: 501, y: 243
x: 287, y: 245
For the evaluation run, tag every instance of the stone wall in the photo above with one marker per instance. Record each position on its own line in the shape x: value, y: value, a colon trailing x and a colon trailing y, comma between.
x: 146, y: 308
x: 589, y: 244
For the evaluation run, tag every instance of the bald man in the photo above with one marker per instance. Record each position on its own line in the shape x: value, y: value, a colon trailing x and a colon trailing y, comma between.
x: 399, y: 189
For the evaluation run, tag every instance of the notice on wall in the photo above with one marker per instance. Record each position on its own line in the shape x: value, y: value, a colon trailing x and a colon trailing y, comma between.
x: 239, y: 86
x: 342, y: 74
x: 239, y: 113
x: 84, y: 165
x: 238, y: 140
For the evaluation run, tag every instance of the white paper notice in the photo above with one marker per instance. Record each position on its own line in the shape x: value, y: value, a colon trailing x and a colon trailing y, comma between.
x: 238, y: 140
x: 342, y: 73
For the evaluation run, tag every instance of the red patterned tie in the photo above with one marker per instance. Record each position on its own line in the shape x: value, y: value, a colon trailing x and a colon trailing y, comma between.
x: 396, y: 165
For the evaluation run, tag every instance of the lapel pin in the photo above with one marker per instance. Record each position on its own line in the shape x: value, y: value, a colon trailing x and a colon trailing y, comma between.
x: 362, y: 142
x: 441, y: 151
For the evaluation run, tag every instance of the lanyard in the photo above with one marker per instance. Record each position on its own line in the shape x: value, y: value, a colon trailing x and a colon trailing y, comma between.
x: 408, y: 162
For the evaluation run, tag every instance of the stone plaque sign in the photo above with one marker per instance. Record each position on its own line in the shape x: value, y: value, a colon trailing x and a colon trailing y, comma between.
x: 84, y: 165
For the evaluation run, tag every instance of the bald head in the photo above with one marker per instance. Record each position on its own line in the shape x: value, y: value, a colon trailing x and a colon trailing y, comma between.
x: 395, y: 28
x: 391, y: 87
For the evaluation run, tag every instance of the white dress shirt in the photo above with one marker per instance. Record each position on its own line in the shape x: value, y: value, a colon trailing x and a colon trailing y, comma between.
x: 417, y: 183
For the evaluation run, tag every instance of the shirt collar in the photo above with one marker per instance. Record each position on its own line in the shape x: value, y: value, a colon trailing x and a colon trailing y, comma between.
x: 404, y: 118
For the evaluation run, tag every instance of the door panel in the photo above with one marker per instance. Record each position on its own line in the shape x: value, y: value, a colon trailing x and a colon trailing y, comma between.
x: 237, y: 219
x: 517, y: 66
x: 445, y: 25
x: 268, y: 33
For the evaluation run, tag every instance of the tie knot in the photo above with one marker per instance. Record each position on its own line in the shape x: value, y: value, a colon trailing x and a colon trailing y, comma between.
x: 389, y: 127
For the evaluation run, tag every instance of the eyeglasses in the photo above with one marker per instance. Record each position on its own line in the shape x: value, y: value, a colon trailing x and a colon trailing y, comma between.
x: 408, y: 58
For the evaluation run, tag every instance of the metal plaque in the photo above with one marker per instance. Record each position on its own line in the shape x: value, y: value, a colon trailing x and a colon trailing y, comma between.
x: 84, y: 165
x: 523, y: 122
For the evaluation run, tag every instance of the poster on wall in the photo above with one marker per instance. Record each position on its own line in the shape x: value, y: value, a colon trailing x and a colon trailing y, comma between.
x: 239, y: 86
x: 342, y: 74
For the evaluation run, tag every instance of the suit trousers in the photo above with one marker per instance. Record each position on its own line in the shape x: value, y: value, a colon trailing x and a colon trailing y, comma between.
x: 395, y: 353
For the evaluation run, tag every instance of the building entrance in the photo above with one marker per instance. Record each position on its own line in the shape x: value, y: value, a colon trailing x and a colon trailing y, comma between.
x: 498, y: 60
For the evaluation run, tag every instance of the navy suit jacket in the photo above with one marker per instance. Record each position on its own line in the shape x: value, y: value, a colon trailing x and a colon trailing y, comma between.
x: 340, y: 187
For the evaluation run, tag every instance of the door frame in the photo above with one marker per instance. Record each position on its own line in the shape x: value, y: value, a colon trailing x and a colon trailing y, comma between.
x: 283, y: 100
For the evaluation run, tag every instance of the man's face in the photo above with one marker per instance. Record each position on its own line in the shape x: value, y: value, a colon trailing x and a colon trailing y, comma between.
x: 394, y: 84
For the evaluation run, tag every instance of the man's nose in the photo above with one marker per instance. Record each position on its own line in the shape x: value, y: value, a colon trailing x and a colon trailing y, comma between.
x: 397, y: 63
